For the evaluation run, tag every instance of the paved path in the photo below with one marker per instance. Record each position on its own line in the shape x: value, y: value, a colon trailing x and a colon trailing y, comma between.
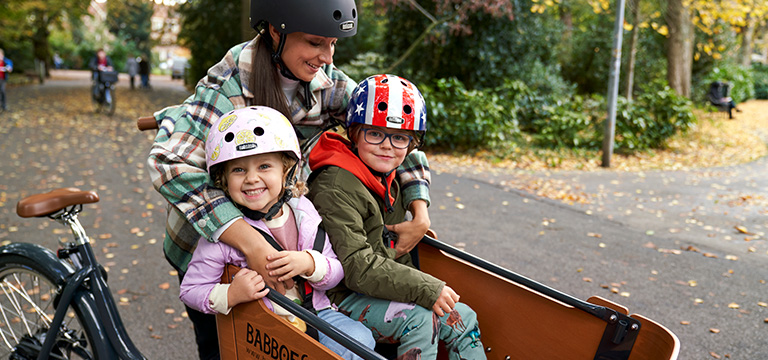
x: 644, y: 235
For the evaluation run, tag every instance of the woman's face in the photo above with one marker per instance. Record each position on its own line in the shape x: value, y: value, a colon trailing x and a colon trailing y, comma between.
x: 304, y: 54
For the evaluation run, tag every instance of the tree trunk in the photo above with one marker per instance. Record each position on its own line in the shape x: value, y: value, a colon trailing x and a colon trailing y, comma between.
x: 747, y: 37
x: 41, y: 49
x: 635, y: 4
x: 679, y: 47
x: 566, y: 17
x: 245, y: 21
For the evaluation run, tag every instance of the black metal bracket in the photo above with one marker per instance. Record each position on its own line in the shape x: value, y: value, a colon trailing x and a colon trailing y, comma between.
x: 619, y: 336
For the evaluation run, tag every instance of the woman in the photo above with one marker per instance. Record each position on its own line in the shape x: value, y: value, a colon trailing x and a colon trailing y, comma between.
x: 289, y: 67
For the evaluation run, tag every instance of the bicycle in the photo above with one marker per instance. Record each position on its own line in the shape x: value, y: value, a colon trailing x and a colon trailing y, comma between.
x: 104, y: 94
x: 59, y: 305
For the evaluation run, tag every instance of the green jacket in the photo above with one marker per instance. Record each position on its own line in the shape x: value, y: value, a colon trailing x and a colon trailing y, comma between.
x: 354, y: 220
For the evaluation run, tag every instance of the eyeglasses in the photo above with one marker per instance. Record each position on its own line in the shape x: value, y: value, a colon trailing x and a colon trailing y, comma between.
x: 376, y: 137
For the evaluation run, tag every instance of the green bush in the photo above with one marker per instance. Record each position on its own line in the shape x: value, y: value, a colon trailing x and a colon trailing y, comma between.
x: 760, y: 77
x: 655, y: 116
x: 467, y: 119
x: 740, y: 78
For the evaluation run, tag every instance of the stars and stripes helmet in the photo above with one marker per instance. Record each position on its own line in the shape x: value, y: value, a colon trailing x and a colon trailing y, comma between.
x: 387, y: 101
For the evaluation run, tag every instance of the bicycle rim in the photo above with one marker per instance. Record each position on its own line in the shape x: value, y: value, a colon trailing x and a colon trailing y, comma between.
x: 26, y: 310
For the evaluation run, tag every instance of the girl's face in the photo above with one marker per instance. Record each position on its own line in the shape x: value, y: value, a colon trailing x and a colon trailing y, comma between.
x: 255, y: 181
x: 382, y: 157
x: 304, y: 54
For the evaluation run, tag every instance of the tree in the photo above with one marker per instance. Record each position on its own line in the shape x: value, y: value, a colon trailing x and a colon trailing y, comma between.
x: 207, y: 33
x: 130, y: 20
x: 679, y: 47
x: 33, y: 19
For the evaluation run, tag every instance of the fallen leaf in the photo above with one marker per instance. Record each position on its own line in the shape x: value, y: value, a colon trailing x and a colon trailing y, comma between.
x: 595, y: 235
x: 164, y: 286
x: 714, y: 331
x: 760, y: 303
x: 731, y: 257
x: 709, y: 255
x: 170, y: 311
x: 743, y: 230
x: 733, y: 305
x: 714, y: 355
x: 685, y: 322
x: 586, y: 279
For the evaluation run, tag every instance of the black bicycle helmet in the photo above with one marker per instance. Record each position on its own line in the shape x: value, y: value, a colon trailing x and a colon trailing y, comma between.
x: 328, y: 18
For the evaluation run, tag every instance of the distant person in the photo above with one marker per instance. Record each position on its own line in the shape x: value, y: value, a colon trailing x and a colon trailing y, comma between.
x: 144, y: 70
x: 718, y: 96
x: 98, y: 63
x: 132, y: 68
x: 6, y: 67
x: 57, y: 61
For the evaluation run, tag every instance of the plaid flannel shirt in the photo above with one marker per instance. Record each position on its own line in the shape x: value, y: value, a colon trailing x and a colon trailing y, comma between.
x: 177, y: 158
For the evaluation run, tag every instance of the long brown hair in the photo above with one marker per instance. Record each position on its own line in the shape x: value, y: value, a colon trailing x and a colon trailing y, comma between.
x: 265, y: 79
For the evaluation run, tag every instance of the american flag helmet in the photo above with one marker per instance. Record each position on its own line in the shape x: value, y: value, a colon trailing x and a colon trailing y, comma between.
x: 387, y: 101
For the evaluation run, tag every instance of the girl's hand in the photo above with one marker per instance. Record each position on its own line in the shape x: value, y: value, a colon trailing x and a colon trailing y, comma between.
x: 287, y: 264
x: 247, y: 285
x: 446, y: 301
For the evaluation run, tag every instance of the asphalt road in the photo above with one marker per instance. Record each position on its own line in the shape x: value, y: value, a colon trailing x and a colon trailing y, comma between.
x: 644, y: 235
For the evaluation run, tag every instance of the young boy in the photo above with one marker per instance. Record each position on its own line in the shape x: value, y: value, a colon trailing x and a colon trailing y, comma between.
x: 252, y: 155
x: 354, y: 188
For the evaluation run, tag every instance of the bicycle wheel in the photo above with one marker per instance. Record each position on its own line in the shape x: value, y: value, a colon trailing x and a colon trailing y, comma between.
x: 27, y: 293
x: 109, y: 100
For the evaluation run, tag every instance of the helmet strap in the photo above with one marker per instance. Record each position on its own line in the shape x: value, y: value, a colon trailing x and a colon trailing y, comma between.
x: 274, y: 209
x: 387, y: 203
x: 277, y: 59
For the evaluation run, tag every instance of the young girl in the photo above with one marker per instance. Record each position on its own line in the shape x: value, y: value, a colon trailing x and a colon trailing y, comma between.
x: 354, y: 187
x: 289, y: 67
x: 252, y: 155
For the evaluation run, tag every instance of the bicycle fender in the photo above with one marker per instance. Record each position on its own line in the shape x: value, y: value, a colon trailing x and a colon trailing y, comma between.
x: 40, y: 255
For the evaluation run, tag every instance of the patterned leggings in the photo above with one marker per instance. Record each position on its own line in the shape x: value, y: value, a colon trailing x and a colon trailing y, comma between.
x: 417, y: 329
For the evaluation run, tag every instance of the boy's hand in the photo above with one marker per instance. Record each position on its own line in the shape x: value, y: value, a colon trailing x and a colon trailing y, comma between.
x: 287, y: 264
x: 409, y: 233
x: 446, y: 301
x: 247, y: 285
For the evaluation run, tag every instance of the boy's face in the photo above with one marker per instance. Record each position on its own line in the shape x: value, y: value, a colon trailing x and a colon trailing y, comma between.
x: 255, y: 181
x: 382, y: 157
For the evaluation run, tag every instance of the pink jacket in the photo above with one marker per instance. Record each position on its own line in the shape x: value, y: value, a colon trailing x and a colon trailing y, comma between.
x: 209, y: 259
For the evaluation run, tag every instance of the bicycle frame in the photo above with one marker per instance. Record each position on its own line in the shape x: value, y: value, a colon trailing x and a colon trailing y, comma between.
x: 87, y: 269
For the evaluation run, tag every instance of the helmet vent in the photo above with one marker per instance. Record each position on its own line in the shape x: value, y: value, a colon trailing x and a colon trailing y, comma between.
x: 229, y: 137
x: 384, y: 80
x: 354, y: 13
x: 407, y: 109
x: 337, y: 15
x: 258, y: 131
x: 382, y: 106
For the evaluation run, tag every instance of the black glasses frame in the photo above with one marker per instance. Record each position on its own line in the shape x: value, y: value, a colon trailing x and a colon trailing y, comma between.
x: 386, y: 136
